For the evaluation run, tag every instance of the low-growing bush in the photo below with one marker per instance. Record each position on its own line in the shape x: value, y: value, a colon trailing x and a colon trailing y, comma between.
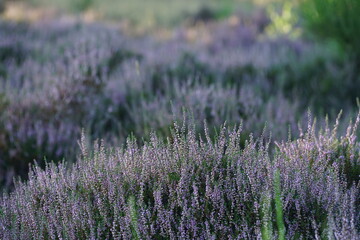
x: 56, y: 79
x: 189, y: 187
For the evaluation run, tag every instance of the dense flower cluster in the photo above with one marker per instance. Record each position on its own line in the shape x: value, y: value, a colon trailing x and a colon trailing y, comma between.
x: 59, y: 78
x: 192, y: 187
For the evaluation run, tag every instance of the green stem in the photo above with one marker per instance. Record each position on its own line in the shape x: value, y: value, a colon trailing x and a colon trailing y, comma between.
x: 278, y: 206
x: 133, y: 217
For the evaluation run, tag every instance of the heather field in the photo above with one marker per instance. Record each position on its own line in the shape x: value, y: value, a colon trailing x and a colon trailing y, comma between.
x: 180, y: 119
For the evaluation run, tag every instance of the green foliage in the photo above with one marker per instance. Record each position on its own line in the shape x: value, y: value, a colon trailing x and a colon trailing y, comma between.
x: 82, y: 5
x: 337, y: 19
x: 266, y: 224
x: 133, y: 217
x: 225, y: 9
x: 266, y: 212
x: 278, y: 206
x: 151, y: 13
x: 14, y: 51
x: 283, y: 22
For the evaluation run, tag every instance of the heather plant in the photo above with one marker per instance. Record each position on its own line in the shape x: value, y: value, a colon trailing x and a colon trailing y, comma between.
x: 190, y: 186
x: 56, y: 79
x: 324, y: 152
x: 166, y: 181
x: 45, y: 100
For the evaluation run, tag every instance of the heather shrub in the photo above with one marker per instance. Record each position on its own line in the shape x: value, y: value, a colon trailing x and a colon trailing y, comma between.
x: 324, y: 152
x: 190, y: 186
x: 56, y: 79
x: 52, y: 87
x: 149, y: 107
x: 325, y: 91
x: 167, y: 182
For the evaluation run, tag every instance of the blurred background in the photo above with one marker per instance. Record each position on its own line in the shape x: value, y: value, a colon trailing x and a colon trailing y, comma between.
x: 139, y: 14
x: 111, y: 68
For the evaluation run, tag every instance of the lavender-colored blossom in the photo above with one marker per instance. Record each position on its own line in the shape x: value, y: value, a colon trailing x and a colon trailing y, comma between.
x: 192, y: 188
